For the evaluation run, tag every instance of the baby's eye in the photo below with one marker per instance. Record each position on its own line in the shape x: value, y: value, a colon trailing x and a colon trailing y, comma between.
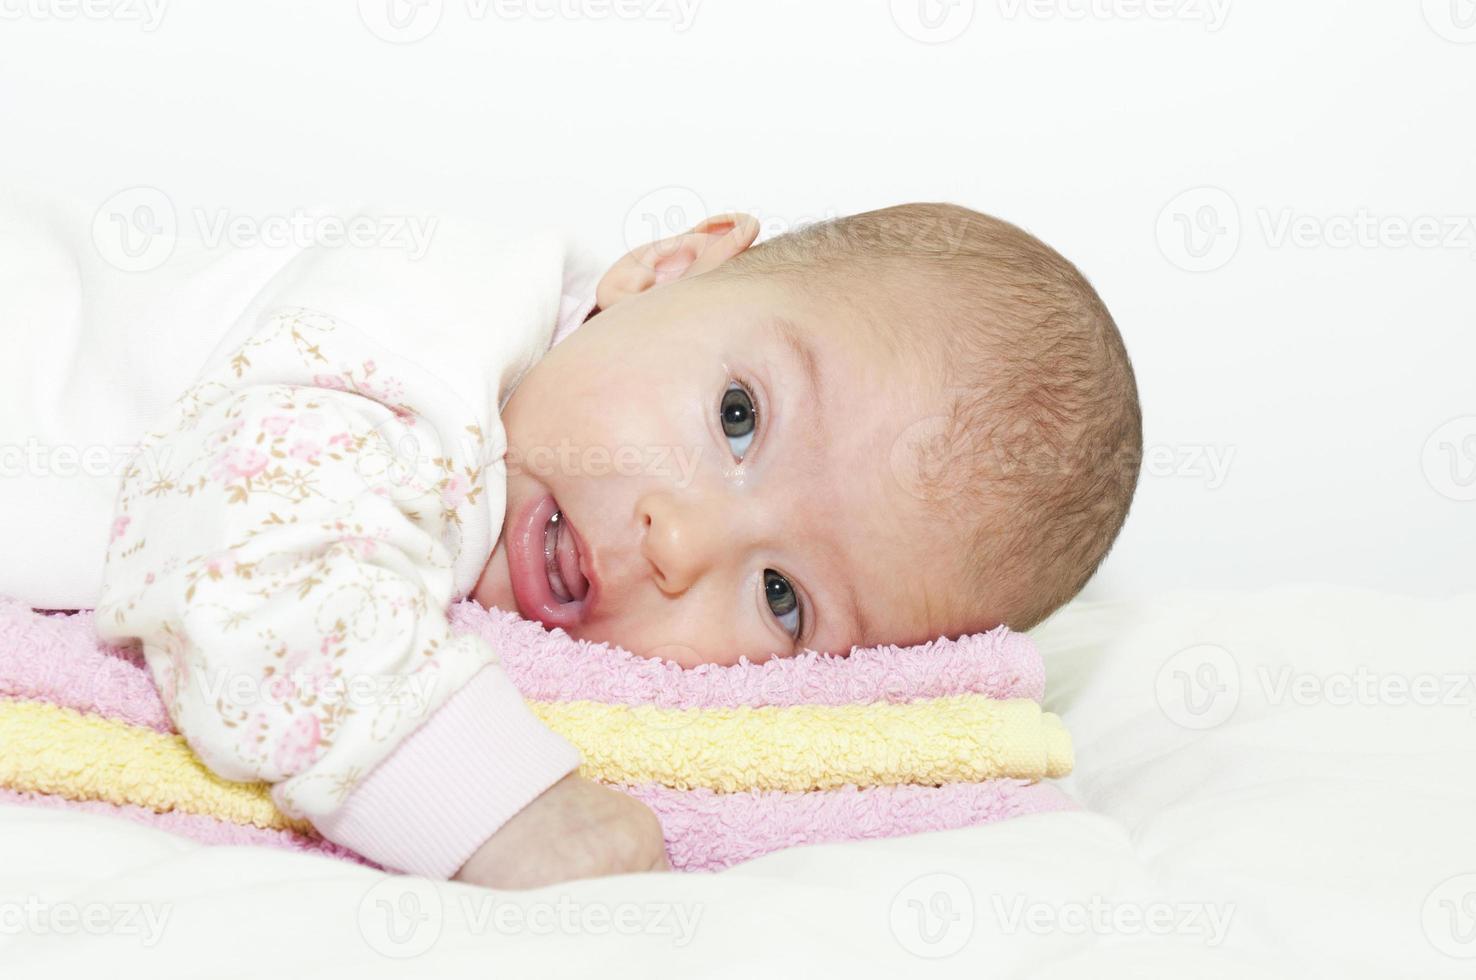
x: 739, y: 418
x: 783, y: 602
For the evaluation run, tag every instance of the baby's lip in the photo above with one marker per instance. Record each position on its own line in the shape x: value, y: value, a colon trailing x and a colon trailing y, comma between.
x: 526, y: 534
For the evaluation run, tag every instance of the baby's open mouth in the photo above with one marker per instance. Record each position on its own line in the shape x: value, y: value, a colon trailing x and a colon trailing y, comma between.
x: 561, y: 560
x: 551, y: 571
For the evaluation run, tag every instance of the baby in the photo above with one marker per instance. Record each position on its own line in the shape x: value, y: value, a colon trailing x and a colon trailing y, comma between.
x: 885, y: 428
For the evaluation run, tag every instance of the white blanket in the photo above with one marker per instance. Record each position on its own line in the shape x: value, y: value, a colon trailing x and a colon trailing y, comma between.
x: 1280, y: 784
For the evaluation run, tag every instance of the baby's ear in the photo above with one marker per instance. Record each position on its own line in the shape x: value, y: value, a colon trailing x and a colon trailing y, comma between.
x: 706, y: 246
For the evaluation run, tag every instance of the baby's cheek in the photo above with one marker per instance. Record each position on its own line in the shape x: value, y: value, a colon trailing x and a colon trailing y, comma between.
x: 682, y: 654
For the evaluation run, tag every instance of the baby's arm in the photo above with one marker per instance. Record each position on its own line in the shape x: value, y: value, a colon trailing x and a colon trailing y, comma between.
x: 289, y: 577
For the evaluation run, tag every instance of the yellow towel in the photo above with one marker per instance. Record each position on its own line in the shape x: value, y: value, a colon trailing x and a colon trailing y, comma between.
x: 49, y: 749
x: 966, y: 738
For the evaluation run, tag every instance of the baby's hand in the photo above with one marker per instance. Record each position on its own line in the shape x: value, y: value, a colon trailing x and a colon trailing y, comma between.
x: 576, y: 829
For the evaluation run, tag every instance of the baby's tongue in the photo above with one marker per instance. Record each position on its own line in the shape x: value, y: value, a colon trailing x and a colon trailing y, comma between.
x: 566, y: 553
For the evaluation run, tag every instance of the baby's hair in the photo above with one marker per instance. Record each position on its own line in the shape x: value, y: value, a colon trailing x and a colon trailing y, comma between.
x: 1039, y: 452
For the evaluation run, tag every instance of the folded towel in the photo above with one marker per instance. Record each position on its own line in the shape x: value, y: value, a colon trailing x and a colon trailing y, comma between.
x: 964, y: 738
x: 152, y: 777
x: 932, y: 744
x: 49, y: 749
x: 549, y: 666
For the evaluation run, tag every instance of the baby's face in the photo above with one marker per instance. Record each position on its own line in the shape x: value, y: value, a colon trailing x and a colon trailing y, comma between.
x: 722, y: 455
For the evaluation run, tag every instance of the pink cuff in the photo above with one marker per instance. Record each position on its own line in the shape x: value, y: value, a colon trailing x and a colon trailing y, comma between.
x: 458, y: 778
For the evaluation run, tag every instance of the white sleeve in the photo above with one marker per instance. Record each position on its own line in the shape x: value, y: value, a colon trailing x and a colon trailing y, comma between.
x: 288, y: 571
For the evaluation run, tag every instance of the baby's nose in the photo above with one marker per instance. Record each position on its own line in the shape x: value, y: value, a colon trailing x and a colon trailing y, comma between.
x: 680, y: 540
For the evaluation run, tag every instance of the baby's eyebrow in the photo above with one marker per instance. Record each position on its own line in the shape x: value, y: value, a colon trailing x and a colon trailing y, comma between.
x: 803, y: 351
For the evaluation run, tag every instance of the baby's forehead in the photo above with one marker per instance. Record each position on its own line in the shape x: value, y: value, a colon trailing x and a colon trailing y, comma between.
x: 855, y: 333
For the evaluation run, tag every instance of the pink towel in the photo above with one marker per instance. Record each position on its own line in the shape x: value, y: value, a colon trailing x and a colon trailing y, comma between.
x: 58, y: 659
x: 549, y: 666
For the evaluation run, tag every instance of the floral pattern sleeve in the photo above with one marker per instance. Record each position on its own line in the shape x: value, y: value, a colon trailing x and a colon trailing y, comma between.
x: 285, y: 551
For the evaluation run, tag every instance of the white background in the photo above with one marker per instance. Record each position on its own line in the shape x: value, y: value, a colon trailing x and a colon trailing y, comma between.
x: 1323, y: 369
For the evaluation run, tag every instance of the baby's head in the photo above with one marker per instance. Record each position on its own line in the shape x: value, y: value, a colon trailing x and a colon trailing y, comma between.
x: 885, y: 428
